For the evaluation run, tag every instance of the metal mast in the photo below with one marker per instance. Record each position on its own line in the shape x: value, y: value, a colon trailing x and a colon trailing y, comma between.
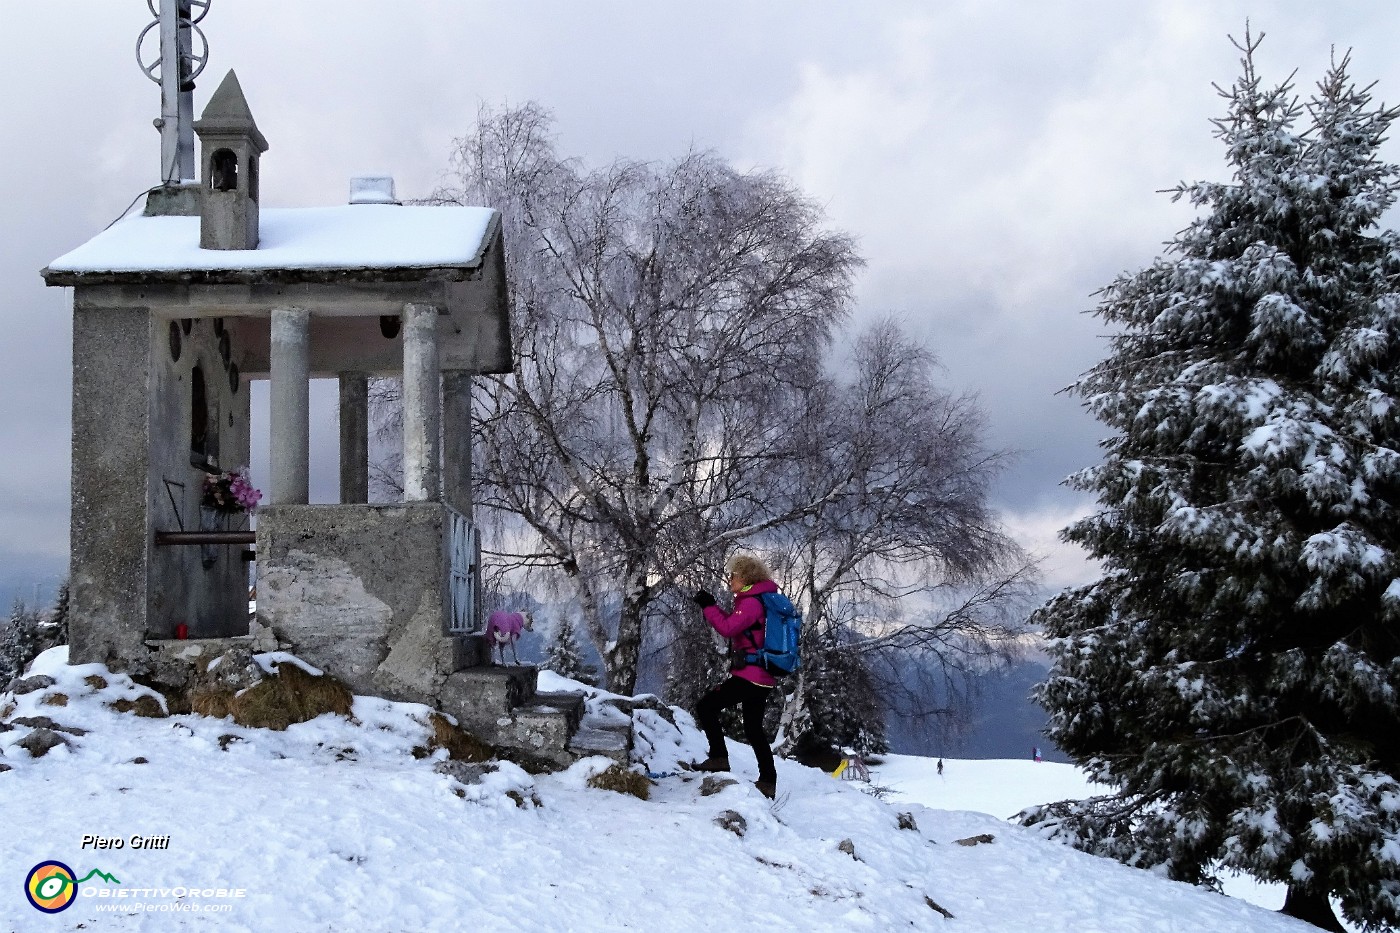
x: 177, y: 21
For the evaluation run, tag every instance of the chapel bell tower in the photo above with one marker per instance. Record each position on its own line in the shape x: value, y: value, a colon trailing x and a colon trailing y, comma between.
x: 230, y: 145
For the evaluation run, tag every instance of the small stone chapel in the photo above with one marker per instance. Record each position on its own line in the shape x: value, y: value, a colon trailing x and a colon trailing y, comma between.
x: 175, y: 311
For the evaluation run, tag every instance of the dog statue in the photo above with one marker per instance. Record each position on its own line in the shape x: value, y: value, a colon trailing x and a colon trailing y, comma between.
x: 503, y: 631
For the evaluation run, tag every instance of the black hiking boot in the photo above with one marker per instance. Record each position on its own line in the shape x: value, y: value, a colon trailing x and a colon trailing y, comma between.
x: 711, y: 764
x: 768, y: 789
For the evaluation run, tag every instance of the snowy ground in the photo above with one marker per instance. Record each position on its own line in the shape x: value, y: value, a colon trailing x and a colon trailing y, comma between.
x: 335, y: 826
x: 1003, y: 788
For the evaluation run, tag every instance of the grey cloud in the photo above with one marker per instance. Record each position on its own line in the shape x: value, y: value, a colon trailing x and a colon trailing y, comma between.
x: 998, y: 160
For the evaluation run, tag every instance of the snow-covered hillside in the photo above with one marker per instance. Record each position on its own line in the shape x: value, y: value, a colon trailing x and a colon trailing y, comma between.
x: 335, y: 825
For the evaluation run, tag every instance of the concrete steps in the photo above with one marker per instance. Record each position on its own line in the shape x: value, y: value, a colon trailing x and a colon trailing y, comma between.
x: 480, y: 696
x: 544, y: 726
x: 496, y: 703
x: 499, y: 704
x: 612, y: 743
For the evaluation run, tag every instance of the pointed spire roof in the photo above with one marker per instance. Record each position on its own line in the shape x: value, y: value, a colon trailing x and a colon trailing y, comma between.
x: 227, y: 113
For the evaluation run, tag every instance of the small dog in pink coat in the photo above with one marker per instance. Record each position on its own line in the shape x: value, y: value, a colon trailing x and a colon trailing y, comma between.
x: 503, y: 631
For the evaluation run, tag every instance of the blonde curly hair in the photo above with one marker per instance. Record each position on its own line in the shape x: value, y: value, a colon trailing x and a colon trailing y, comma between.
x: 748, y: 569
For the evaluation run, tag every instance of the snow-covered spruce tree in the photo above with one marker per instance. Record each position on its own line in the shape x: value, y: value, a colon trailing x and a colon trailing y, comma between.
x: 1234, y: 673
x: 58, y: 616
x: 12, y: 649
x: 562, y: 655
x: 844, y: 705
x: 27, y: 634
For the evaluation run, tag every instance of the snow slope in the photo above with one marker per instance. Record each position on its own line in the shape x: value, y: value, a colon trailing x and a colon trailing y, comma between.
x: 334, y: 825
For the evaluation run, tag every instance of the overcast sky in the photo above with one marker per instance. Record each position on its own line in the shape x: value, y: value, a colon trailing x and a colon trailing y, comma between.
x: 998, y: 161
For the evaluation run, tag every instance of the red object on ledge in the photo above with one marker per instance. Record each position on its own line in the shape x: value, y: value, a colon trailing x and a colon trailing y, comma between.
x: 182, y: 630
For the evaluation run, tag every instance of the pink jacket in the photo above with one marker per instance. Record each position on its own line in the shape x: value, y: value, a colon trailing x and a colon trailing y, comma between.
x: 744, y: 629
x: 505, y: 625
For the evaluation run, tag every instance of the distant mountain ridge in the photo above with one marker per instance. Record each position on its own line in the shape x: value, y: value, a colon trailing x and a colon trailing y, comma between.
x: 1004, y: 722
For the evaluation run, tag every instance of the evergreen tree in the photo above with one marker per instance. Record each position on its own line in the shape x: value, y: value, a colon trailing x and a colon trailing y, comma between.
x: 58, y: 617
x: 27, y: 634
x: 1234, y: 673
x: 562, y: 655
x: 842, y: 705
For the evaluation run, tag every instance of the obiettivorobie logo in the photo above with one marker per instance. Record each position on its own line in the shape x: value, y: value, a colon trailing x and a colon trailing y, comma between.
x: 52, y: 886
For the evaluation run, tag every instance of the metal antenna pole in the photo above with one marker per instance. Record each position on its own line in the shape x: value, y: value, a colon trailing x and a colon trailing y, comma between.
x: 176, y: 134
x: 178, y: 31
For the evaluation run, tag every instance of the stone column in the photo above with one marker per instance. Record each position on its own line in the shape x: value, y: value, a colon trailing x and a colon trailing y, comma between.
x: 422, y: 404
x: 457, y: 441
x: 354, y: 437
x: 111, y: 559
x: 290, y: 418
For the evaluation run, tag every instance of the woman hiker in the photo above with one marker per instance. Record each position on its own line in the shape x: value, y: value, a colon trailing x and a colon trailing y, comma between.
x: 748, y: 685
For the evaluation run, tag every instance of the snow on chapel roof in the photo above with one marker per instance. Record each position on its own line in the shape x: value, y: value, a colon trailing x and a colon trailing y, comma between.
x: 361, y: 237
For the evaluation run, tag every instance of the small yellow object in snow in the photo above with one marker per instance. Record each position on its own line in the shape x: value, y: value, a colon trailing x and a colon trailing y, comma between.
x: 852, y: 769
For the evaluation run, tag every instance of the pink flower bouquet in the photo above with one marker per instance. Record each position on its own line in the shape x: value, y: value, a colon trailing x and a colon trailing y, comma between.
x: 230, y: 493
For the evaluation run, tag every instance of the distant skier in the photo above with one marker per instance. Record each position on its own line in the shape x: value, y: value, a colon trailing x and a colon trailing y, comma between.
x: 940, y: 767
x: 1035, y: 753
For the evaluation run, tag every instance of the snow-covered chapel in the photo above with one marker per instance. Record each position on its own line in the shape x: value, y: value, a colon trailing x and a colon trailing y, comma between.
x: 176, y: 310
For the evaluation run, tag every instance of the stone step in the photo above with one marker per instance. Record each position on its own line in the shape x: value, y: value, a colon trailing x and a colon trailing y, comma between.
x: 544, y: 727
x: 469, y: 651
x: 606, y: 729
x: 613, y: 742
x: 485, y: 694
x: 569, y: 705
x: 499, y: 705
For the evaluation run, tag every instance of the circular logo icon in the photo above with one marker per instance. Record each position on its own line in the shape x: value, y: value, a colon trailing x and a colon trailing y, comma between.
x: 51, y: 887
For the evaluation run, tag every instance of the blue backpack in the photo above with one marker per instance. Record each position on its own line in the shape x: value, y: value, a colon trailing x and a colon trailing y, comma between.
x: 782, y: 627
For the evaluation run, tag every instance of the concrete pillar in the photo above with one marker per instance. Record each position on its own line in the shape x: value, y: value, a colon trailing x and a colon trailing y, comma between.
x: 110, y: 557
x: 290, y: 418
x: 422, y: 404
x: 354, y: 437
x: 457, y: 441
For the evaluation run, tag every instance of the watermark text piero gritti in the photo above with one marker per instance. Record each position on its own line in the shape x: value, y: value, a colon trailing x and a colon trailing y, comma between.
x: 130, y: 842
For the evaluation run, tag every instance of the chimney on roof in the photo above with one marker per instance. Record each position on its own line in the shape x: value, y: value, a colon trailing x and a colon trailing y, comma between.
x: 373, y: 189
x: 231, y: 145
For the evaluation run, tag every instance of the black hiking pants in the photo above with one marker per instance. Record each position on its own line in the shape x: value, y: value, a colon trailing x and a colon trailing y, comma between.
x: 752, y: 699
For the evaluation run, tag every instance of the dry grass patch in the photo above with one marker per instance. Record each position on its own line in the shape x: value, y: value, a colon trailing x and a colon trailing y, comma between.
x: 213, y: 703
x: 147, y: 706
x: 461, y: 745
x: 275, y: 702
x: 96, y: 681
x: 292, y: 695
x: 623, y: 781
x: 55, y: 699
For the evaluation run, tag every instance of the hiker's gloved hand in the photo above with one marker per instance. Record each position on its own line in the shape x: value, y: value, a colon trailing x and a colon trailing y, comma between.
x: 703, y: 599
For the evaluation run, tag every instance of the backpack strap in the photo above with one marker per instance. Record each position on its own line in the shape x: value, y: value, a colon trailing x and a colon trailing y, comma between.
x: 762, y: 612
x: 755, y: 655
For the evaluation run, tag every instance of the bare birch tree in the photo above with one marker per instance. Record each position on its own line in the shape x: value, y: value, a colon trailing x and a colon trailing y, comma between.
x: 908, y: 561
x: 668, y: 403
x: 666, y: 320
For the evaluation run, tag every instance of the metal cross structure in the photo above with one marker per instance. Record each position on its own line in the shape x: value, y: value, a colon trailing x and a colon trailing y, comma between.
x: 178, y: 21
